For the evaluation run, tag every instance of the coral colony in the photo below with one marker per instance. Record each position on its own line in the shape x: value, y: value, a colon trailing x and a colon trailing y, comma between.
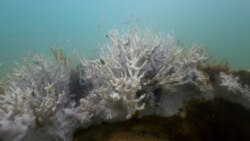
x: 137, y: 74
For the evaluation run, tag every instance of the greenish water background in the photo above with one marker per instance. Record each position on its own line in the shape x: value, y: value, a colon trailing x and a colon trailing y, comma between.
x: 37, y: 25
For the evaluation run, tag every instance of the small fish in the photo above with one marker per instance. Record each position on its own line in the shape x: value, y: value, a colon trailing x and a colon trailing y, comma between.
x: 102, y: 61
x: 33, y: 93
x: 127, y: 22
x: 127, y: 43
x: 68, y: 40
x: 39, y: 29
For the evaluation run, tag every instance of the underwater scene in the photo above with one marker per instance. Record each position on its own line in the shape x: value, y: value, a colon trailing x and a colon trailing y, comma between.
x: 124, y: 70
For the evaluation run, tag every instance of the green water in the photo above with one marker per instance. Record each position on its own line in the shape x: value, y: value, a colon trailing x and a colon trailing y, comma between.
x: 38, y: 25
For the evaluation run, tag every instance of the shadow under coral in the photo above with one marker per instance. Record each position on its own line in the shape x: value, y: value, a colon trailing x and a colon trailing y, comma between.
x: 200, y: 120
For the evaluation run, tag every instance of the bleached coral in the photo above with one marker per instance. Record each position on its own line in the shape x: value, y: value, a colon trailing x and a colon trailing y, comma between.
x: 34, y: 95
x: 232, y: 84
x: 136, y: 64
x: 229, y: 81
x: 138, y: 73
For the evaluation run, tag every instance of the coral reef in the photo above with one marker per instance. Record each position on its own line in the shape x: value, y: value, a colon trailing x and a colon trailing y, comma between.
x: 135, y: 65
x: 138, y: 74
x: 34, y: 98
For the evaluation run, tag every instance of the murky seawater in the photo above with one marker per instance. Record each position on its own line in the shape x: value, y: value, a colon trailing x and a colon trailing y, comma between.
x: 147, y: 92
x: 35, y: 26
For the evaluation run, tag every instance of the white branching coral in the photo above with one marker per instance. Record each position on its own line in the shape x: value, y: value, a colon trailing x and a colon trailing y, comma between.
x: 232, y: 84
x: 33, y: 95
x: 135, y: 61
x: 119, y: 73
x: 124, y: 81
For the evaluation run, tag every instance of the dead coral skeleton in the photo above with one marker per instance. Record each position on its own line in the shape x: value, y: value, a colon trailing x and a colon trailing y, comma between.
x: 123, y: 82
x: 232, y: 84
x: 134, y: 61
x: 34, y: 93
